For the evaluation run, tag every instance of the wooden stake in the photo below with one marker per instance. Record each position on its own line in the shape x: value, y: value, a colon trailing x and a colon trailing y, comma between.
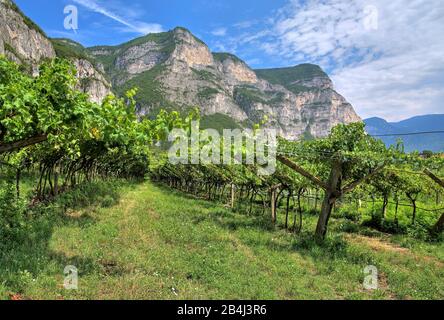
x: 439, y: 226
x: 273, y: 206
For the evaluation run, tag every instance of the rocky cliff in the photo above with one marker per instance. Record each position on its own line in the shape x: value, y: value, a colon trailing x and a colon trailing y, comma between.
x: 176, y: 70
x: 308, y: 89
x: 91, y: 75
x: 22, y: 41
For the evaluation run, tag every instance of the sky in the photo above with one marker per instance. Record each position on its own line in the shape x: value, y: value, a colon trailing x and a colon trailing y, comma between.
x: 385, y: 57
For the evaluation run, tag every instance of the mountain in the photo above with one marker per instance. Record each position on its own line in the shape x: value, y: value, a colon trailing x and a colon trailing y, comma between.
x: 320, y: 106
x: 92, y: 76
x: 176, y: 70
x: 432, y: 122
x: 22, y: 41
x: 421, y: 142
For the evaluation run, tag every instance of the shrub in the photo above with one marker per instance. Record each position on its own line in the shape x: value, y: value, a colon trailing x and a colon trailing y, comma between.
x: 332, y: 246
x: 393, y: 227
x: 107, y: 201
x: 375, y: 221
x: 349, y: 213
x: 349, y: 227
x: 419, y: 231
x: 11, y: 212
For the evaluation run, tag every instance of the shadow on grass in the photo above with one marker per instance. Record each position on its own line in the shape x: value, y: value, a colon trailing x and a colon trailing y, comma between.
x: 225, y: 217
x: 26, y: 253
x: 334, y: 248
x: 233, y: 222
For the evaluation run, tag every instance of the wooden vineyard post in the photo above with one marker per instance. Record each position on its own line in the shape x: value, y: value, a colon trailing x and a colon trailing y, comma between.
x: 329, y: 200
x: 273, y: 205
x: 17, y: 182
x: 274, y: 198
x: 439, y: 226
x: 332, y: 188
x: 434, y: 178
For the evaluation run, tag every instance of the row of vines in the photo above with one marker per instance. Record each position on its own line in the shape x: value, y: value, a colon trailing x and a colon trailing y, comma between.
x: 52, y: 131
x: 346, y: 167
x: 49, y: 128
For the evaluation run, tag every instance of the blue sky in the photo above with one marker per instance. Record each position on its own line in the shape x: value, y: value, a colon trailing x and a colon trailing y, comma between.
x: 385, y: 57
x: 209, y: 20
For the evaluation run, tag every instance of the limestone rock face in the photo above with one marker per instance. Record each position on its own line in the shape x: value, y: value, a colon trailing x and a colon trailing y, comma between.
x: 140, y: 58
x: 237, y: 71
x: 91, y: 81
x: 20, y: 39
x: 190, y: 50
x: 318, y: 112
x: 175, y: 69
x: 25, y: 43
x: 91, y: 74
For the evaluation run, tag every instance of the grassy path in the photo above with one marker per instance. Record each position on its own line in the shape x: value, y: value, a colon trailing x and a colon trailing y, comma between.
x: 159, y: 244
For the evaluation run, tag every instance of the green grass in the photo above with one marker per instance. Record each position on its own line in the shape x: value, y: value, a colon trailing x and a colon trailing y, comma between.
x: 150, y: 91
x: 66, y: 48
x: 246, y: 95
x: 149, y: 242
x: 207, y: 92
x: 218, y: 122
x: 288, y: 76
x: 164, y: 39
x: 222, y: 56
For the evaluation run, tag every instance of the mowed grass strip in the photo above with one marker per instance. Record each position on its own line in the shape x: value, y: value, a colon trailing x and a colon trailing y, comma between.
x: 156, y: 243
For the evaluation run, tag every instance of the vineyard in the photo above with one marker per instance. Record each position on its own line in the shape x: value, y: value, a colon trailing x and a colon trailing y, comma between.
x: 349, y: 167
x: 59, y: 151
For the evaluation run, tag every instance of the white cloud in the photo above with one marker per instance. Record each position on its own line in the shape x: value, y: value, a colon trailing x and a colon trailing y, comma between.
x: 137, y: 26
x: 254, y: 62
x: 386, y: 57
x: 245, y: 24
x: 219, y: 32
